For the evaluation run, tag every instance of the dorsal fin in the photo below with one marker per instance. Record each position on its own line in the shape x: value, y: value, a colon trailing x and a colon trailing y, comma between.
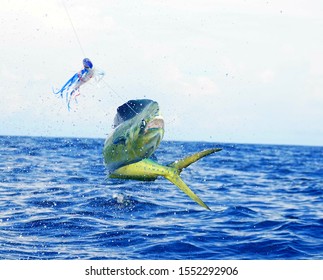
x: 129, y: 109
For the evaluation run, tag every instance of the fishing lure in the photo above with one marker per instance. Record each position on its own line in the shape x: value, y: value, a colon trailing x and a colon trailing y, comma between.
x: 72, y: 86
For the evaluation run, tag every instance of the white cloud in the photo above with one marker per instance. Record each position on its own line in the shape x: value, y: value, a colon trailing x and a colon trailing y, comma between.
x: 7, y: 74
x: 189, y: 85
x: 199, y: 87
x: 176, y: 52
x: 267, y: 76
x: 11, y: 104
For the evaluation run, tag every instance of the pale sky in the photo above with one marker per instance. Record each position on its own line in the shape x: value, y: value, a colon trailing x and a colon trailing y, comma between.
x: 222, y: 71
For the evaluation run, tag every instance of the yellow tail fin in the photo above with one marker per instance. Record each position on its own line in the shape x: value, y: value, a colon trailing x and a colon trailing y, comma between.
x: 185, y: 162
x: 176, y: 180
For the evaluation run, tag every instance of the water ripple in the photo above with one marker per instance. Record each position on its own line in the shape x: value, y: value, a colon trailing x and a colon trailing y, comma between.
x: 56, y: 203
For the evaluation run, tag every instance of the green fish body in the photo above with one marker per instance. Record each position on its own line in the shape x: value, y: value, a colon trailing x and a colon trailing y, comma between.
x: 139, y: 128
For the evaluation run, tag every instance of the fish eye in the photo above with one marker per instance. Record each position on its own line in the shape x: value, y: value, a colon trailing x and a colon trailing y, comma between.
x: 143, y: 124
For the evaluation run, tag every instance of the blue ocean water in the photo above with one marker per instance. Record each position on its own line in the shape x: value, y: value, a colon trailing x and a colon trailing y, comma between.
x: 56, y: 203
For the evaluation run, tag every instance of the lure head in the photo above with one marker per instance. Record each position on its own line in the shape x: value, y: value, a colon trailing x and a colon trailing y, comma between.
x: 139, y: 128
x: 87, y: 63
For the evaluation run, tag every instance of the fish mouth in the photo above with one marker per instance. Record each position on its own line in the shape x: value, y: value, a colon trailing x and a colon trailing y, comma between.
x: 156, y: 123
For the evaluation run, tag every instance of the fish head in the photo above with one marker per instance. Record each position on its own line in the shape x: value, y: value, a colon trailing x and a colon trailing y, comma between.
x: 148, y: 130
x: 138, y: 130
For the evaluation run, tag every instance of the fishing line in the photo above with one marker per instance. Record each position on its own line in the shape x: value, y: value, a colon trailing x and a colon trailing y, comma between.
x: 75, y: 33
x: 120, y: 97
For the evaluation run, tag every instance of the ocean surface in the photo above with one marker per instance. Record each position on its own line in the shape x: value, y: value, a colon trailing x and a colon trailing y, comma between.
x: 57, y: 203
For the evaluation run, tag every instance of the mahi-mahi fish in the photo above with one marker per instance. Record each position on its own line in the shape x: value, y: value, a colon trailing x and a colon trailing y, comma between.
x: 128, y: 151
